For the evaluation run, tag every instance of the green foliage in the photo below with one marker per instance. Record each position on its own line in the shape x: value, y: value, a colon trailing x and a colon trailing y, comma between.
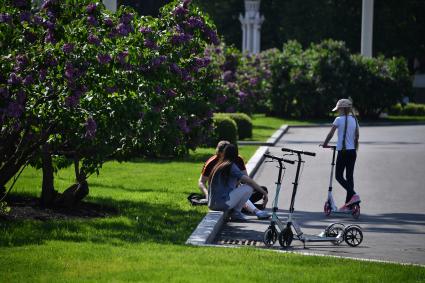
x: 4, y: 208
x: 225, y: 128
x: 96, y: 85
x: 307, y: 83
x: 411, y: 109
x: 243, y: 123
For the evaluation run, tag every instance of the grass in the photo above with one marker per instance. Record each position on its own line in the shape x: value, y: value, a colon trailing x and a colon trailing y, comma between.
x: 144, y: 242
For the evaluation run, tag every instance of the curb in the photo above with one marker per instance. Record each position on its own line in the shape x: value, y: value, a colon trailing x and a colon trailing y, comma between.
x: 271, y: 141
x: 209, y: 226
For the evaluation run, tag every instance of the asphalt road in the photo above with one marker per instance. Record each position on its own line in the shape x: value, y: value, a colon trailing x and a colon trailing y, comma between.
x: 389, y: 177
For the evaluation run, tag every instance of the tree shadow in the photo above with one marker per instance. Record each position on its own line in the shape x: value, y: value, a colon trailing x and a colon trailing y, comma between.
x: 136, y: 221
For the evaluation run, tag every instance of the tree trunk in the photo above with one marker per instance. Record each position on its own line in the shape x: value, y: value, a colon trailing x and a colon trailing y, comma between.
x: 48, y: 193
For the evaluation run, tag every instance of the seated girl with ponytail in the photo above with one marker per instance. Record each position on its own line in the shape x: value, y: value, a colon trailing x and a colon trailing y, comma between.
x: 224, y: 192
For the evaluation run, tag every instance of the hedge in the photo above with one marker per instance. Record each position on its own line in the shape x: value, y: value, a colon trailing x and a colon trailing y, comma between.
x: 411, y: 109
x: 225, y: 128
x: 243, y: 122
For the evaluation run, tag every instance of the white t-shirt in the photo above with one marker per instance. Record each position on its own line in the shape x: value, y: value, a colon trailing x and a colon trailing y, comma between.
x: 351, y: 132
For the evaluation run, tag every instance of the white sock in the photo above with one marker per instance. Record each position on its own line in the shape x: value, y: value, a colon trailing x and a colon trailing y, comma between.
x: 250, y: 206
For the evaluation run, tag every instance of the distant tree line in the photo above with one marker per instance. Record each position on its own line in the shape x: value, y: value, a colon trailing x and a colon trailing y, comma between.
x: 399, y: 26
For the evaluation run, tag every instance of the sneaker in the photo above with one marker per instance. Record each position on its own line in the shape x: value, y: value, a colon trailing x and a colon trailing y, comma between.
x: 261, y: 214
x: 354, y: 199
x: 238, y: 216
x: 344, y: 208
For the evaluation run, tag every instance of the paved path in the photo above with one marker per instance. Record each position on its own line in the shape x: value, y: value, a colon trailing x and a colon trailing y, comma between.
x: 389, y: 176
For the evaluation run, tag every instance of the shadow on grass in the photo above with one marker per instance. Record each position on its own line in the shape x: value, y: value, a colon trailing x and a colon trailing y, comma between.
x: 137, y: 221
x: 194, y: 157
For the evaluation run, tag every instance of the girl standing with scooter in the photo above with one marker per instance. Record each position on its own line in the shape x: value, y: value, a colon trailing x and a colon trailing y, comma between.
x: 347, y: 145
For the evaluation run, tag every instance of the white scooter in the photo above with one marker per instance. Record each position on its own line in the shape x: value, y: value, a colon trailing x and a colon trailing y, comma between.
x: 330, y: 206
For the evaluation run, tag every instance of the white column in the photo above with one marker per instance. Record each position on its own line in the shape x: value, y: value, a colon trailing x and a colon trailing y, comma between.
x: 111, y: 5
x: 367, y: 28
x: 248, y: 37
x: 255, y: 38
x: 258, y: 48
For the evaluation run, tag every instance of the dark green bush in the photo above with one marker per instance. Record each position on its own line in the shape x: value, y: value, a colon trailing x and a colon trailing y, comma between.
x: 225, y: 128
x: 243, y: 122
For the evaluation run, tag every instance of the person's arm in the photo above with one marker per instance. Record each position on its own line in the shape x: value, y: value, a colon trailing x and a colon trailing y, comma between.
x: 202, y: 184
x: 329, y: 136
x: 249, y: 181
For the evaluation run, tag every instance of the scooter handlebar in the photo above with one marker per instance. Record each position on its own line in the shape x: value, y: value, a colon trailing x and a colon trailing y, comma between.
x: 299, y: 151
x: 278, y: 158
x: 329, y: 146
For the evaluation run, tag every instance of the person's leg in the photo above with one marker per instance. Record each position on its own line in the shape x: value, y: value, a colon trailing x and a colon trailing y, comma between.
x: 238, y: 197
x: 257, y: 196
x: 339, y: 169
x: 349, y: 173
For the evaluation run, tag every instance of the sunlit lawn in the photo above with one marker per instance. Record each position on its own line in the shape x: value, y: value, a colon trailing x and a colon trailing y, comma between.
x: 145, y: 240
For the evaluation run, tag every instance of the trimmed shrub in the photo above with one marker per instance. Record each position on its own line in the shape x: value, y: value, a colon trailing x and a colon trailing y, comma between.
x: 411, y: 109
x: 225, y: 128
x: 244, y: 124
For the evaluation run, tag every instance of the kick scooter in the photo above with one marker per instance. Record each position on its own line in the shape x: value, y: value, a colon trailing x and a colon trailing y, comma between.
x: 330, y: 206
x: 335, y: 233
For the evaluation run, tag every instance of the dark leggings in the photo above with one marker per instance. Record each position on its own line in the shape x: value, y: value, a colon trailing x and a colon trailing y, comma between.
x: 345, y: 161
x: 256, y: 196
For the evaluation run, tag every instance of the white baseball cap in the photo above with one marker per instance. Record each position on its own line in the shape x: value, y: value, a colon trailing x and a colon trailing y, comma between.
x: 343, y: 103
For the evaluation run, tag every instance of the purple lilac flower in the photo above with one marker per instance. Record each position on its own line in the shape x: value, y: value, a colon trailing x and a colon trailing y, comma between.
x: 37, y: 20
x: 91, y: 8
x: 48, y: 4
x: 171, y: 93
x: 30, y: 36
x: 221, y: 99
x: 180, y: 38
x: 210, y: 114
x: 123, y: 29
x: 186, y: 3
x: 182, y: 123
x: 71, y: 101
x: 69, y: 72
x: 50, y: 38
x: 149, y: 43
x: 29, y: 79
x: 68, y: 48
x: 14, y: 79
x: 158, y: 60
x: 108, y: 21
x: 158, y: 89
x: 93, y: 39
x: 231, y: 85
x: 253, y: 81
x: 145, y: 30
x: 91, y: 128
x: 126, y: 18
x: 14, y: 109
x: 42, y: 75
x: 25, y: 16
x: 195, y: 22
x: 175, y: 69
x: 122, y: 57
x: 242, y: 95
x: 228, y: 76
x: 180, y: 11
x: 212, y: 36
x: 49, y: 25
x: 104, y: 58
x: 5, y: 18
x: 21, y: 63
x: 91, y: 20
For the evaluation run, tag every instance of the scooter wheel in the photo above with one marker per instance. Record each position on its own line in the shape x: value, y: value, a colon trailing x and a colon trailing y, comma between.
x: 334, y: 230
x: 356, y: 211
x: 327, y: 209
x: 353, y: 235
x: 285, y: 237
x: 270, y: 237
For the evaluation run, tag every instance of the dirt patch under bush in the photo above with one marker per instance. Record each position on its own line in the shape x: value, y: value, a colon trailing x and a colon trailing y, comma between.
x: 28, y: 208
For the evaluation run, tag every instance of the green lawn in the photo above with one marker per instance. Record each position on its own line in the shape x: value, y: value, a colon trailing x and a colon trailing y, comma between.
x: 145, y: 240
